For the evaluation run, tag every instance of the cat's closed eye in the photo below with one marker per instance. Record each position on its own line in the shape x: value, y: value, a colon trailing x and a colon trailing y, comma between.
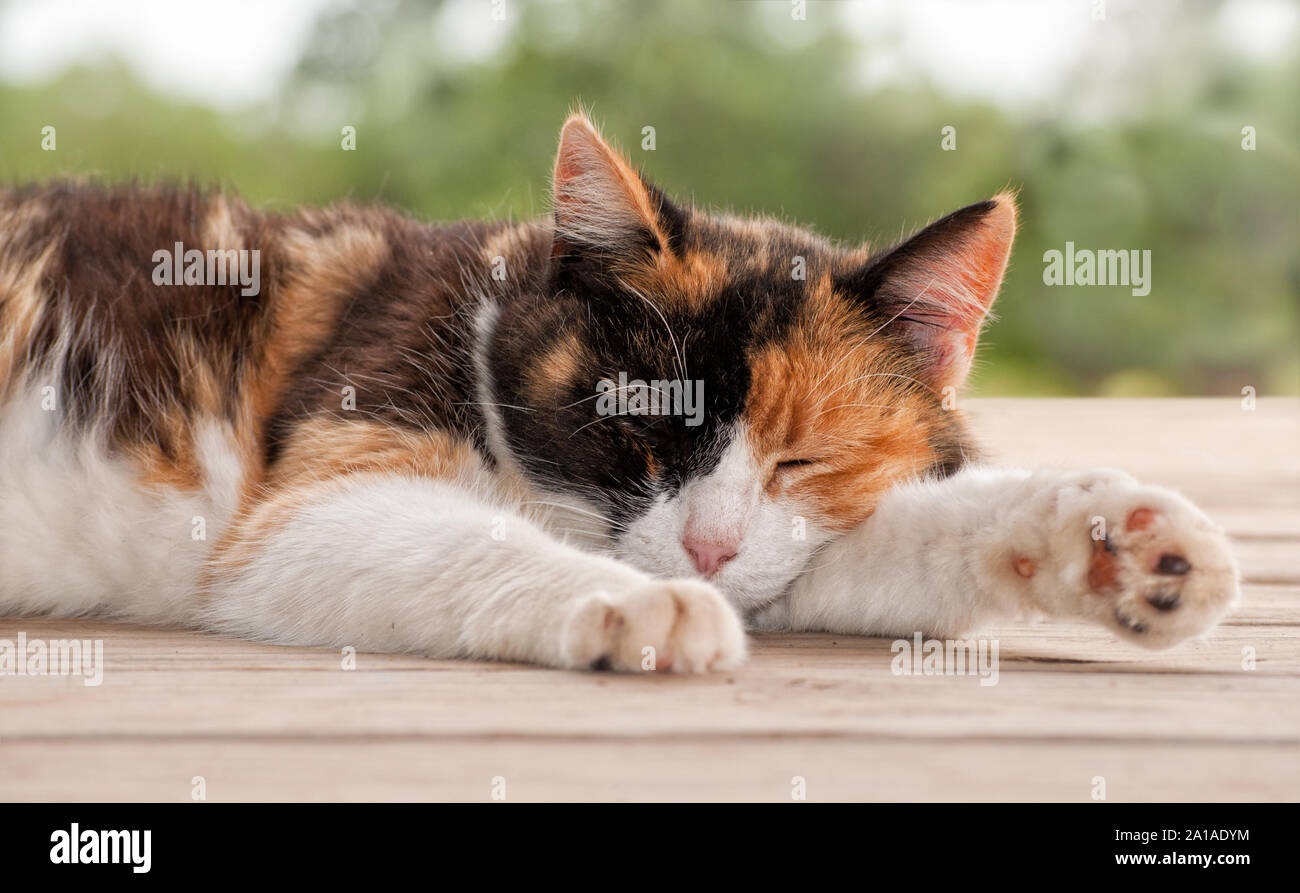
x: 795, y: 464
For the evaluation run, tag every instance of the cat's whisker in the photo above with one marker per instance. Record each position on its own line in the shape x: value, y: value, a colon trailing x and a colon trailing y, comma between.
x: 880, y: 375
x: 681, y: 361
x: 850, y: 405
x: 578, y: 532
x: 648, y: 386
x: 490, y: 403
x: 603, y: 418
x: 815, y: 565
x: 906, y: 307
x: 849, y: 354
x: 569, y: 508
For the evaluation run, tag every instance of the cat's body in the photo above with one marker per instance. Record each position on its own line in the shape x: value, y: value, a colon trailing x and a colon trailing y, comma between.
x: 400, y: 438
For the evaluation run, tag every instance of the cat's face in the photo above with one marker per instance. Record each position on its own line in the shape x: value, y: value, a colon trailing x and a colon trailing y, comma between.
x: 732, y: 393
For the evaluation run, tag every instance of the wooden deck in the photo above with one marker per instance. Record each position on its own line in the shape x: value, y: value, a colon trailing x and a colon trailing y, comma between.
x: 1071, y: 703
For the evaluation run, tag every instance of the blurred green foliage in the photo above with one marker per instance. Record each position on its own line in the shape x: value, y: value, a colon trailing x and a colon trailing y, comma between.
x: 755, y: 112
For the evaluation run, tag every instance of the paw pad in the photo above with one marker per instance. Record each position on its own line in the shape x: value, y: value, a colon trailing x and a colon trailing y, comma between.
x: 1164, y: 601
x: 1103, y: 568
x: 1141, y: 519
x: 1174, y: 565
x: 1163, y: 574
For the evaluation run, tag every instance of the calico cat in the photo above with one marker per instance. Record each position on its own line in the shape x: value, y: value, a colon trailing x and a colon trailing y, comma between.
x: 449, y: 440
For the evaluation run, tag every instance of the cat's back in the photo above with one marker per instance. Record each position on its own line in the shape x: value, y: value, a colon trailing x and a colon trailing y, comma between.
x: 157, y: 342
x: 139, y: 305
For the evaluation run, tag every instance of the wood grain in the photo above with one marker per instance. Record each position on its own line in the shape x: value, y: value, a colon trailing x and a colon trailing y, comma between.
x: 1212, y: 720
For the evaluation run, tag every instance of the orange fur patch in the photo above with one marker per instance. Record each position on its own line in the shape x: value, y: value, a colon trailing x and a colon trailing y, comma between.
x: 21, y: 299
x: 328, y: 254
x: 324, y: 270
x: 325, y: 447
x: 556, y: 369
x: 684, y: 282
x: 178, y: 469
x: 849, y: 406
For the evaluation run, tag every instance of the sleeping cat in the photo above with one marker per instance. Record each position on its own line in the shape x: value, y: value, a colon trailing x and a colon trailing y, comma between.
x: 610, y: 438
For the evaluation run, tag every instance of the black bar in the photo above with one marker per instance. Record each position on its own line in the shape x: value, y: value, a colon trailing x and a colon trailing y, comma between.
x: 329, y: 842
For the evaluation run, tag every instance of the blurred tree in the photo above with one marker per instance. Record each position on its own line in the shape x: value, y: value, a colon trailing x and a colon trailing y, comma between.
x: 456, y: 115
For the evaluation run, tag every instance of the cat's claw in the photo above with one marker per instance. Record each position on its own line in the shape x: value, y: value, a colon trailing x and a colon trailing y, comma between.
x: 678, y: 626
x: 1142, y: 560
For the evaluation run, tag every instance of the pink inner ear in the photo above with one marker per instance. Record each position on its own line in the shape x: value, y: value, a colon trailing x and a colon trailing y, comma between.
x: 566, y: 164
x: 956, y: 287
x: 598, y: 196
x: 952, y: 353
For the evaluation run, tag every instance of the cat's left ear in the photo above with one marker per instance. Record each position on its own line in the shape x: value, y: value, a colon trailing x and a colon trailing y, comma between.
x: 937, y: 287
x: 603, y: 207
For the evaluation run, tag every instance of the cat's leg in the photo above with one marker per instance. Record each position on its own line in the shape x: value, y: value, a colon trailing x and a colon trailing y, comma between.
x: 396, y: 563
x: 947, y: 557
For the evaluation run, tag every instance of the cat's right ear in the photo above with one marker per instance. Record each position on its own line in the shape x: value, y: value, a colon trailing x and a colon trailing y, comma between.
x: 603, y: 207
x: 938, y: 286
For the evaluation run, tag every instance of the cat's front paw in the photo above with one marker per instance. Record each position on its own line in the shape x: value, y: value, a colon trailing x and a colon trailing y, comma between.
x: 1142, y: 560
x: 679, y: 626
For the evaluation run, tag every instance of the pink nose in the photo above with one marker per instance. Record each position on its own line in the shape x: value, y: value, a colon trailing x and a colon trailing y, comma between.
x: 708, y: 557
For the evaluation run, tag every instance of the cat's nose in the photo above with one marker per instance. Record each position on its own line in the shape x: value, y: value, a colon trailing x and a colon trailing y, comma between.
x: 708, y: 557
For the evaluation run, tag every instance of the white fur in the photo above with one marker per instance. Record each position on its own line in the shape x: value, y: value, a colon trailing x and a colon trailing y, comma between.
x: 471, y: 568
x: 940, y: 557
x: 387, y: 563
x: 79, y: 534
x: 728, y: 504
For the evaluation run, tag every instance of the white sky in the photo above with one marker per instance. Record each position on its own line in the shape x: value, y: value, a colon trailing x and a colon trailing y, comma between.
x: 234, y: 52
x: 1019, y: 49
x: 227, y: 53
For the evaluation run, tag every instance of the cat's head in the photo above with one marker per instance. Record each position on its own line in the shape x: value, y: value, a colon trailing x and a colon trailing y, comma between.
x: 775, y: 384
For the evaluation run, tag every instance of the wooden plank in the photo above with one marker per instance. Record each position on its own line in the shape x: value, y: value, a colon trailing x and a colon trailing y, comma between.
x: 1208, y: 448
x: 1070, y: 703
x: 665, y: 768
x: 143, y: 648
x: 1210, y: 437
x: 1054, y: 681
x: 1279, y: 524
x: 1268, y: 561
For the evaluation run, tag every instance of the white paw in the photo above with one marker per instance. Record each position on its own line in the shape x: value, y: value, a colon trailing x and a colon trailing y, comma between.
x: 679, y: 626
x: 1141, y: 560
